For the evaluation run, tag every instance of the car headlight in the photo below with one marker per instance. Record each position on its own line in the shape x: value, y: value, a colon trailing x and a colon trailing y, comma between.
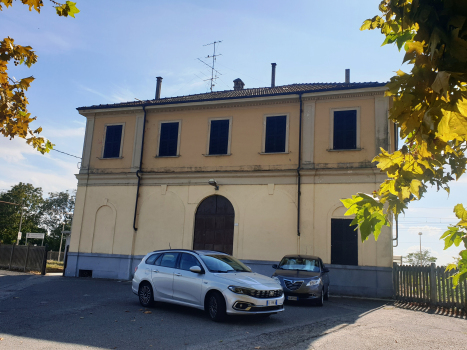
x: 240, y: 290
x: 275, y: 278
x: 314, y: 282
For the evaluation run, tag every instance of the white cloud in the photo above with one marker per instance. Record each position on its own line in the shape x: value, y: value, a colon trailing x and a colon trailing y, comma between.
x: 425, y: 230
x: 118, y: 94
x: 14, y: 150
x: 69, y: 132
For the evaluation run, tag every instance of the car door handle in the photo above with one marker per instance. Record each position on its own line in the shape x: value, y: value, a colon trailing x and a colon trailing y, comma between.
x: 155, y: 271
x: 178, y: 274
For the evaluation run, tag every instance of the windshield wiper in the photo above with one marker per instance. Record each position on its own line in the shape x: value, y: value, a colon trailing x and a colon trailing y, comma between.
x: 220, y: 271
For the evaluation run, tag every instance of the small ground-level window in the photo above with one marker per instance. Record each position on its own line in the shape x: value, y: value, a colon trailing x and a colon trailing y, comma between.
x: 113, y: 141
x: 344, y: 242
x: 219, y: 137
x: 169, y: 139
x: 345, y: 129
x: 275, y: 134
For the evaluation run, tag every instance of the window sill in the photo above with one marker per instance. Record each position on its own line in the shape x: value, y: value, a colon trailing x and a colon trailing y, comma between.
x: 274, y: 152
x: 344, y: 150
x: 102, y: 158
x: 217, y: 155
x: 167, y: 156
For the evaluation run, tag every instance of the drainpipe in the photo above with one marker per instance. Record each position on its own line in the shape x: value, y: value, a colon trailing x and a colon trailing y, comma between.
x: 397, y: 234
x: 138, y: 172
x: 298, y: 171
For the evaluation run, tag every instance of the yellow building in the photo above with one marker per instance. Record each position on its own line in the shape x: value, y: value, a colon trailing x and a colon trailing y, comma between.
x: 257, y: 173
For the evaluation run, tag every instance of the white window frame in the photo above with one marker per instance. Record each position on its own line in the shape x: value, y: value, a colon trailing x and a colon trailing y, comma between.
x: 179, y: 121
x: 209, y: 137
x: 121, y: 140
x: 331, y: 128
x: 263, y: 141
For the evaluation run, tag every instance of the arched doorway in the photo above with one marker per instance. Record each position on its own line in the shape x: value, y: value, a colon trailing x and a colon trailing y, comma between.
x: 214, y: 225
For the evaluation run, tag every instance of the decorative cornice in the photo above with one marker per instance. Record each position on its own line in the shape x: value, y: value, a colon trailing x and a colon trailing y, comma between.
x: 344, y: 96
x: 280, y: 177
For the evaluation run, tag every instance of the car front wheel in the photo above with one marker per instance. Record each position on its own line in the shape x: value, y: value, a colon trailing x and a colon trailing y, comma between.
x: 216, y: 307
x: 320, y: 301
x: 146, y: 295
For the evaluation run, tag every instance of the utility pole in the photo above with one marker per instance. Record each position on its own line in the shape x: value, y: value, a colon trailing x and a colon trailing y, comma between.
x: 213, y: 56
x: 20, y: 223
x: 63, y: 231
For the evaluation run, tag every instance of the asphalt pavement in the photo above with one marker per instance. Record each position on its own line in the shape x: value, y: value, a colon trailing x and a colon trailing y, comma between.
x: 54, y: 312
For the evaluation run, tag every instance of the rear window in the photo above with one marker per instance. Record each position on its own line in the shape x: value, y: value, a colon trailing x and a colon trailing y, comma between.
x: 169, y: 260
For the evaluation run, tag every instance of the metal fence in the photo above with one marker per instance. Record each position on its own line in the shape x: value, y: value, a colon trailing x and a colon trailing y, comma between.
x: 430, y: 285
x: 51, y: 255
x: 23, y: 258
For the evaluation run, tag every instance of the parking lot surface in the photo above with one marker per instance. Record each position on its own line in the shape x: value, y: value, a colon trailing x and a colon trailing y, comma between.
x: 53, y: 312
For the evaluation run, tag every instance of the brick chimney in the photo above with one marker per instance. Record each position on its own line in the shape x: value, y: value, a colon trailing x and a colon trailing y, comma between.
x: 238, y: 84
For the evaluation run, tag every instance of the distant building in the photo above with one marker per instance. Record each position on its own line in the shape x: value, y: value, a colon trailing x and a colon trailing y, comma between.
x: 257, y: 173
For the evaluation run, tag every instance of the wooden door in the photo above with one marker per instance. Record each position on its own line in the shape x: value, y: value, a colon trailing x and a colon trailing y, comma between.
x: 214, y: 225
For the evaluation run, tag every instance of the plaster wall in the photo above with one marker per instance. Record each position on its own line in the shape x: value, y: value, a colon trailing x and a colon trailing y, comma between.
x: 265, y: 220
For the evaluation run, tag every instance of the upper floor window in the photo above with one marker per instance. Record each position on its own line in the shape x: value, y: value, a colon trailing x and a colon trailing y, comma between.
x: 113, y: 141
x: 219, y: 136
x: 275, y: 134
x: 169, y: 139
x: 345, y: 126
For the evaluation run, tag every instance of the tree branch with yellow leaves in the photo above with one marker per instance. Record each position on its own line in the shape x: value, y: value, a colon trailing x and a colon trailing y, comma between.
x: 430, y: 109
x: 14, y: 116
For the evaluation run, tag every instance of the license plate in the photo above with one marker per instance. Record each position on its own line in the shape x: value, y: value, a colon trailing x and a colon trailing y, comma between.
x: 292, y: 298
x: 271, y: 302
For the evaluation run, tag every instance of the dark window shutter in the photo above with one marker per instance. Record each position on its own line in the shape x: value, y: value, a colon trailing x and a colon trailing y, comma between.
x: 344, y: 242
x: 113, y: 139
x: 276, y: 128
x: 168, y: 142
x: 219, y: 138
x: 345, y: 129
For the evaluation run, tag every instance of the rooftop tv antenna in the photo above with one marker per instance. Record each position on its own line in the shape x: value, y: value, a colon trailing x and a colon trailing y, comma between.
x: 213, y: 56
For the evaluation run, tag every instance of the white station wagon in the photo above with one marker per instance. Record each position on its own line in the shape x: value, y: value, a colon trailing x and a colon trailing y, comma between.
x: 207, y: 280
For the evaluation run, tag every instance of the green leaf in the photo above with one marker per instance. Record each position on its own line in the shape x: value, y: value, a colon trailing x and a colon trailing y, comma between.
x: 460, y: 212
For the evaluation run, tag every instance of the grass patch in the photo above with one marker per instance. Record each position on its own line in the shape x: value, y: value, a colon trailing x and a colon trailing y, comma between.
x: 54, y: 266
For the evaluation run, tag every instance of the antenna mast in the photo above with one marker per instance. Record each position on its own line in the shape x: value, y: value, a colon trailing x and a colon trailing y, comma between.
x: 213, y: 56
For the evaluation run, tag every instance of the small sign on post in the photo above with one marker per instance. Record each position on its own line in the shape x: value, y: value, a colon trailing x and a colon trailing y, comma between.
x: 35, y: 235
x: 19, y: 236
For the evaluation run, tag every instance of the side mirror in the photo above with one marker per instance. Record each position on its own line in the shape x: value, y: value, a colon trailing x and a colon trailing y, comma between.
x: 274, y: 266
x: 196, y: 269
x: 325, y: 269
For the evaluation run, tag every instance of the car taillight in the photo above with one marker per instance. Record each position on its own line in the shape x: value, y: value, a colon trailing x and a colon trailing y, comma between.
x: 136, y: 268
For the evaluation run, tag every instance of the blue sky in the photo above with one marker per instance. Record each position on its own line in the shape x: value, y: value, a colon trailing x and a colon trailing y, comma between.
x: 114, y: 50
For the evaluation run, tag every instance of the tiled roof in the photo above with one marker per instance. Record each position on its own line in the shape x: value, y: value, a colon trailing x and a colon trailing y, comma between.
x: 245, y: 93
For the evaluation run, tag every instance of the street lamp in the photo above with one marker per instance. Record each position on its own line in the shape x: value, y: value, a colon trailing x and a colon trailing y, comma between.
x: 63, y: 231
x: 420, y: 257
x: 20, y: 223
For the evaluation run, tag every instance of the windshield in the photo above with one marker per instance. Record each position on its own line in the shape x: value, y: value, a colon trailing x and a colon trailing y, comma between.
x: 301, y: 264
x: 223, y: 263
